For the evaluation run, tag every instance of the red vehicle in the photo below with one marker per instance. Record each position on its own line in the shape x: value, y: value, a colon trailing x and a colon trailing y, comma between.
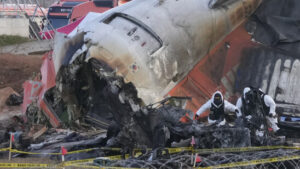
x: 65, y: 12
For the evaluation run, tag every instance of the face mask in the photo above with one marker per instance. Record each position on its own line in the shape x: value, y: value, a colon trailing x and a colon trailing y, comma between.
x: 248, y: 97
x: 218, y: 100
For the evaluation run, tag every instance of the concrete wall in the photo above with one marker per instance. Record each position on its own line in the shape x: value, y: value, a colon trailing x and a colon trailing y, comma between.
x: 14, y: 26
x: 28, y: 48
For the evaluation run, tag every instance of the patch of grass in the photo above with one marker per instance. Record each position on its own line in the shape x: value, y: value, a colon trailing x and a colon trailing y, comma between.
x: 11, y: 40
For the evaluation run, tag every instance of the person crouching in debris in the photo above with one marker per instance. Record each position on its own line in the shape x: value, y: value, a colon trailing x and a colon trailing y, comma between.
x: 244, y: 104
x: 218, y: 106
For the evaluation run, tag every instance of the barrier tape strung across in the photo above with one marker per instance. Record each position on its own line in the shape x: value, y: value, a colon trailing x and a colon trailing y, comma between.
x: 176, y: 150
x: 30, y: 165
x: 101, y: 167
x: 229, y: 165
x: 76, y: 163
x: 224, y: 150
x: 218, y: 150
x: 90, y: 160
x: 243, y: 149
x: 24, y: 152
x: 4, y: 149
x: 64, y: 164
x: 71, y: 152
x: 252, y: 162
x: 171, y: 150
x: 25, y: 165
x: 82, y: 151
x: 69, y: 163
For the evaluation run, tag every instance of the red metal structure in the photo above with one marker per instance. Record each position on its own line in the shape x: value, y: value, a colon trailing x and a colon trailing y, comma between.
x: 9, y: 9
x: 216, y: 71
x: 65, y: 12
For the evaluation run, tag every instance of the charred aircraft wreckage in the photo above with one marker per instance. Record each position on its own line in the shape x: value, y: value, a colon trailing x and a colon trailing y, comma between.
x: 121, y: 62
x: 114, y: 72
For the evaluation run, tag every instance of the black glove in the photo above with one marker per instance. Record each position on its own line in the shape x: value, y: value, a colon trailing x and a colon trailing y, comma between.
x: 196, y: 117
x: 272, y: 115
x: 237, y: 113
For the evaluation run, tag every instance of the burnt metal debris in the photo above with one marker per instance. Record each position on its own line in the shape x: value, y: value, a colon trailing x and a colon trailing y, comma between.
x: 90, y: 99
x: 14, y: 100
x: 98, y: 108
x: 183, y: 160
x: 89, y: 95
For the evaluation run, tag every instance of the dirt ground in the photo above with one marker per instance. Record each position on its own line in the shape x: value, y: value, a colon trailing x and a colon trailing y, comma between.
x: 16, y: 69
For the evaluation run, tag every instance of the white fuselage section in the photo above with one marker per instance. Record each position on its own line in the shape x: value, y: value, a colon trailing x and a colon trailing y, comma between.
x: 155, y: 43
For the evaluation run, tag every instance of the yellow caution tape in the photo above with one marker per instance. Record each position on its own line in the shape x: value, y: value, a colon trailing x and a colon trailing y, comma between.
x: 4, y: 149
x: 91, y: 160
x: 76, y: 163
x: 171, y: 150
x: 218, y: 150
x: 25, y: 165
x: 101, y: 167
x: 116, y: 157
x: 24, y: 152
x: 176, y: 150
x: 68, y: 163
x: 71, y: 152
x: 243, y: 149
x: 81, y: 151
x: 83, y: 166
x: 252, y: 162
x: 111, y: 149
x: 92, y: 149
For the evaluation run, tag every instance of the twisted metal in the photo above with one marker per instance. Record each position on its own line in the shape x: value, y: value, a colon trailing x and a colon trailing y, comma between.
x: 183, y: 160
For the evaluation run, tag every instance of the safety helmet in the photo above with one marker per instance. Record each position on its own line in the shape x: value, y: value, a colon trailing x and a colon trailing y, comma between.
x: 246, y: 90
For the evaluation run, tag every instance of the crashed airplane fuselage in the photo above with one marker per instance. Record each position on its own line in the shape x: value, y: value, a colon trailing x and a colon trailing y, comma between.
x: 153, y: 43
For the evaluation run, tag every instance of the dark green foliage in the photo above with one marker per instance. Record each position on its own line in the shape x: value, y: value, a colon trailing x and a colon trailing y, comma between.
x: 11, y: 40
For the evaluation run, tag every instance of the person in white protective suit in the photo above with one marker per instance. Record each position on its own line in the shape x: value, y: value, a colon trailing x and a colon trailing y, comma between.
x: 218, y: 107
x: 268, y: 104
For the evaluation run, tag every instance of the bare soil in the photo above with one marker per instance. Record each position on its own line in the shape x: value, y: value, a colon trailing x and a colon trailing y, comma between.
x: 16, y: 69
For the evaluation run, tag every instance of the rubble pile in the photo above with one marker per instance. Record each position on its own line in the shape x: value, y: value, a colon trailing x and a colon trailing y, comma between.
x: 54, y: 140
x: 14, y: 100
x: 90, y: 98
x: 91, y: 94
x: 161, y: 158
